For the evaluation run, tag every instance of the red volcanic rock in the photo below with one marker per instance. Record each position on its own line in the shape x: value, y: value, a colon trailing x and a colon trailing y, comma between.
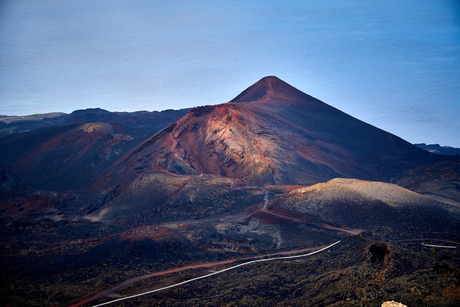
x: 270, y: 134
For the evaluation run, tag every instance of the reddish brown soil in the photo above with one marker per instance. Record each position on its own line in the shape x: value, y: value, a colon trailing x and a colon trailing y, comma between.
x: 152, y: 232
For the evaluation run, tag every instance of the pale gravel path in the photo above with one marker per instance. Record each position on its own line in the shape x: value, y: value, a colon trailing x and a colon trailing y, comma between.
x: 215, y: 273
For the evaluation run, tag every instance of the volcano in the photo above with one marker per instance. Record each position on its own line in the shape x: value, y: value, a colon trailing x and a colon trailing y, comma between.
x: 272, y: 133
x: 101, y: 199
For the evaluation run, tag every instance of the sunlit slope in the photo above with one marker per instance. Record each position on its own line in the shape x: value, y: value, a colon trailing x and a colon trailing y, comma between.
x: 370, y: 205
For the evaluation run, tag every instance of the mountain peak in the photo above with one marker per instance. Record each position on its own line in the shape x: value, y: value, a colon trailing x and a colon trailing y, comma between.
x: 270, y: 88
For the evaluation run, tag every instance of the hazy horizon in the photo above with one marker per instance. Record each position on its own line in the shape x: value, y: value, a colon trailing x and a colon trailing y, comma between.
x: 392, y: 64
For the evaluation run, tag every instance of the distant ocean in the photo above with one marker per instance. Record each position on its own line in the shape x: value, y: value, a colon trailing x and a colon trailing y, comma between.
x: 394, y: 64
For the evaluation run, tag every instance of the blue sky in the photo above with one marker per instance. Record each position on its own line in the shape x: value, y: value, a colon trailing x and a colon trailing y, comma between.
x: 394, y: 64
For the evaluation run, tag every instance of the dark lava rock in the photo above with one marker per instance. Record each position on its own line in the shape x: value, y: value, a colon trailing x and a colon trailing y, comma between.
x: 380, y: 253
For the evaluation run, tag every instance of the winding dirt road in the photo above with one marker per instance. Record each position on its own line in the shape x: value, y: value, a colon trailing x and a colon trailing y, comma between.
x: 112, y: 291
x: 132, y: 280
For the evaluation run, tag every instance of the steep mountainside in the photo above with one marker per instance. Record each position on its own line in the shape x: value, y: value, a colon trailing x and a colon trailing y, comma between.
x: 271, y: 133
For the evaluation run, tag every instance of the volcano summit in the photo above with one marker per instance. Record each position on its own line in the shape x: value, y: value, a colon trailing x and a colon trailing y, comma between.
x: 271, y: 133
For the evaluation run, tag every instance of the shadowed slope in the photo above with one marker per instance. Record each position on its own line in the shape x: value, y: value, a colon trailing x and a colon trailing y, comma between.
x: 334, y: 132
x: 69, y: 157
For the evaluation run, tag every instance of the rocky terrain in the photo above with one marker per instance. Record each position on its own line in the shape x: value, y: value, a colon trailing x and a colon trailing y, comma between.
x: 92, y: 199
x: 71, y: 153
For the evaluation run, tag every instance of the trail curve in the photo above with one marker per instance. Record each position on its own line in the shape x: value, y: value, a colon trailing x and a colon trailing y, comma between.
x: 215, y: 273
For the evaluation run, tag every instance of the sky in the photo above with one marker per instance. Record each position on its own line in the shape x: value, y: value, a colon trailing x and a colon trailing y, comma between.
x: 392, y: 63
